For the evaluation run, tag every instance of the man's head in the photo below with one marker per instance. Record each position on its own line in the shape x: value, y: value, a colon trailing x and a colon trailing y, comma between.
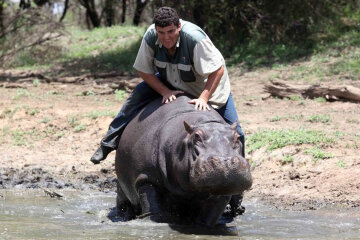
x: 166, y: 16
x: 167, y: 25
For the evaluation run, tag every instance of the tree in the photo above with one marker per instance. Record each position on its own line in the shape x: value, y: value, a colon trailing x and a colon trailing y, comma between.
x: 66, y: 6
x: 109, y: 12
x: 91, y: 13
x: 140, y: 6
x: 2, y: 4
x: 123, y: 16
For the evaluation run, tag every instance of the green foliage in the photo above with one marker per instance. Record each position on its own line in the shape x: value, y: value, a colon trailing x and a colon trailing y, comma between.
x: 36, y: 82
x: 98, y: 114
x: 274, y: 139
x: 287, y: 159
x: 341, y: 164
x: 318, y: 154
x: 120, y: 94
x: 75, y: 124
x: 286, y: 118
x: 320, y: 99
x: 21, y: 93
x: 32, y: 111
x: 102, y: 49
x: 22, y: 138
x: 322, y: 118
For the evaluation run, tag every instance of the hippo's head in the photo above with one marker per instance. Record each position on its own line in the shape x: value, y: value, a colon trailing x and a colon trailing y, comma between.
x: 215, y: 161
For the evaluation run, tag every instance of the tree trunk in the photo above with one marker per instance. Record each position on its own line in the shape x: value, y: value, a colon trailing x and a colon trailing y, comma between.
x: 285, y: 90
x: 140, y: 6
x: 124, y: 5
x: 91, y: 13
x: 2, y: 17
x: 109, y: 13
x: 24, y: 4
x: 66, y: 5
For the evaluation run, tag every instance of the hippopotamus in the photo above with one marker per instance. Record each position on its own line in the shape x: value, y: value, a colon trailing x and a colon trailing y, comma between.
x: 174, y: 163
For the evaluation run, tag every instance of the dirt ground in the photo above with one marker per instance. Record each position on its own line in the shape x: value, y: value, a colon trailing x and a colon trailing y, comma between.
x: 48, y: 132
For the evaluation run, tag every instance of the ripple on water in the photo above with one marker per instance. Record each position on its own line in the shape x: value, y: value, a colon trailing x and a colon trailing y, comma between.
x: 30, y: 214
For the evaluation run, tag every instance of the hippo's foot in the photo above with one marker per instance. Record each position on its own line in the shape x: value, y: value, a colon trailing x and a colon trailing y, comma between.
x: 151, y: 207
x: 122, y: 213
x: 235, y: 205
x: 227, y: 216
x: 157, y: 217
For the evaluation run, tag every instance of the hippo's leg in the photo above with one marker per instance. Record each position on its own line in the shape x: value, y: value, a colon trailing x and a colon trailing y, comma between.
x: 124, y: 210
x: 212, y: 209
x: 235, y: 205
x: 150, y: 202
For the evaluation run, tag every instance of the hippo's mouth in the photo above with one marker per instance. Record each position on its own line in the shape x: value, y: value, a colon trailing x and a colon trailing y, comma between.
x: 221, y: 176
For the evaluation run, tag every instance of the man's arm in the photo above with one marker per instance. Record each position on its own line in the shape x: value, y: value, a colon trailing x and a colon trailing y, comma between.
x: 210, y: 87
x: 153, y: 81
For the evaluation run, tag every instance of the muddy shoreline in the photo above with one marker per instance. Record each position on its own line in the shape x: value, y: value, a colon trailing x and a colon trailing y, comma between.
x: 105, y: 181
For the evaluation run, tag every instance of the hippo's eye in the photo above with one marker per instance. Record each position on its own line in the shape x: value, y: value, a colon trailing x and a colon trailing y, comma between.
x: 197, y: 137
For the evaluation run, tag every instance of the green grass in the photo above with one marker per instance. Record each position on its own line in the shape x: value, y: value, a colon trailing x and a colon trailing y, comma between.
x: 274, y: 139
x: 88, y: 51
x: 98, y: 114
x: 286, y: 118
x: 341, y: 164
x: 120, y: 95
x: 287, y: 159
x: 318, y: 154
x: 24, y: 138
x: 76, y: 124
x: 322, y: 118
x: 20, y: 94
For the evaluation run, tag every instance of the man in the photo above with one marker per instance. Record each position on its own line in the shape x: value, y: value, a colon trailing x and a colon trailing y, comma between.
x: 175, y: 56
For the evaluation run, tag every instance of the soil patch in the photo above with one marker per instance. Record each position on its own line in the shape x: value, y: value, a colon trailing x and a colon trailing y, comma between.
x: 48, y: 132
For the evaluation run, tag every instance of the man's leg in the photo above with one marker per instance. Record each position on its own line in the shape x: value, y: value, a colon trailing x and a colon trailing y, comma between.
x: 141, y: 95
x: 228, y: 112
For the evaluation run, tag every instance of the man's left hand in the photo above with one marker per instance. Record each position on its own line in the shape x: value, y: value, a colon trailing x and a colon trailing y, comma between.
x: 200, y: 104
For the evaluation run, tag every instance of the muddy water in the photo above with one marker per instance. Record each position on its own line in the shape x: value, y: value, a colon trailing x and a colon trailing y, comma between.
x: 30, y: 214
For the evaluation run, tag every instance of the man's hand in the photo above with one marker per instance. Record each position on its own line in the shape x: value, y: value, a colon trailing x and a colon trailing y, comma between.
x: 200, y: 104
x: 171, y: 96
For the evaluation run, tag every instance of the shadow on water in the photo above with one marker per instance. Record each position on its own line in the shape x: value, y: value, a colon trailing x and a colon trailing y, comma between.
x: 222, y: 230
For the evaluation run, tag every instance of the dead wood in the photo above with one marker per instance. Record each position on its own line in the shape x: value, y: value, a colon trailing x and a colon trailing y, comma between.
x: 283, y: 89
x: 11, y: 85
x: 127, y: 84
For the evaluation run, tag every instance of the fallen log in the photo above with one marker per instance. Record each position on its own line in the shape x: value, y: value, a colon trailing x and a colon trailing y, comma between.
x: 12, y: 85
x: 283, y: 89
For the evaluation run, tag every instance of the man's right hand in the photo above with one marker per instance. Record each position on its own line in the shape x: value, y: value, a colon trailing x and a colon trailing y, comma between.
x: 171, y: 96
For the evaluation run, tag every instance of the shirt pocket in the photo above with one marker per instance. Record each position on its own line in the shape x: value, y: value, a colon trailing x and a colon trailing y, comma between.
x: 161, y: 68
x: 186, y: 73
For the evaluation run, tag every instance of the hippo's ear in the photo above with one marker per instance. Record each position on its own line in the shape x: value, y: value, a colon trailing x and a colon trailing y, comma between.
x: 188, y: 128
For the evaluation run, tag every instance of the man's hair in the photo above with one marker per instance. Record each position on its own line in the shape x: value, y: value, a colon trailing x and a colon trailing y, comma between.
x: 166, y: 16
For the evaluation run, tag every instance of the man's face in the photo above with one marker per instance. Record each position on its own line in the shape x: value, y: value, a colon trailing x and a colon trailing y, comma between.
x: 169, y: 35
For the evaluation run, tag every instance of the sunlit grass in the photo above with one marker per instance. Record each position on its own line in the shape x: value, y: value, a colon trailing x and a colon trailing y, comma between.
x: 274, y: 139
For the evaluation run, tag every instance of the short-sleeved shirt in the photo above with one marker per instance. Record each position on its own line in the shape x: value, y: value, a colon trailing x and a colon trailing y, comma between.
x: 188, y: 69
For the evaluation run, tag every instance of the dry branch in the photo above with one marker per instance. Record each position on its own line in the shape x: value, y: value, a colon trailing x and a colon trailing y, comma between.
x: 285, y: 90
x: 11, y: 85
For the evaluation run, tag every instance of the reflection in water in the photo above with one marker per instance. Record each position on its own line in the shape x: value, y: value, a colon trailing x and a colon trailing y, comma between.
x: 30, y: 214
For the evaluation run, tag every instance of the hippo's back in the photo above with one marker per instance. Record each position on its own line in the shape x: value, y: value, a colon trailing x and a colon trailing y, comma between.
x: 136, y: 159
